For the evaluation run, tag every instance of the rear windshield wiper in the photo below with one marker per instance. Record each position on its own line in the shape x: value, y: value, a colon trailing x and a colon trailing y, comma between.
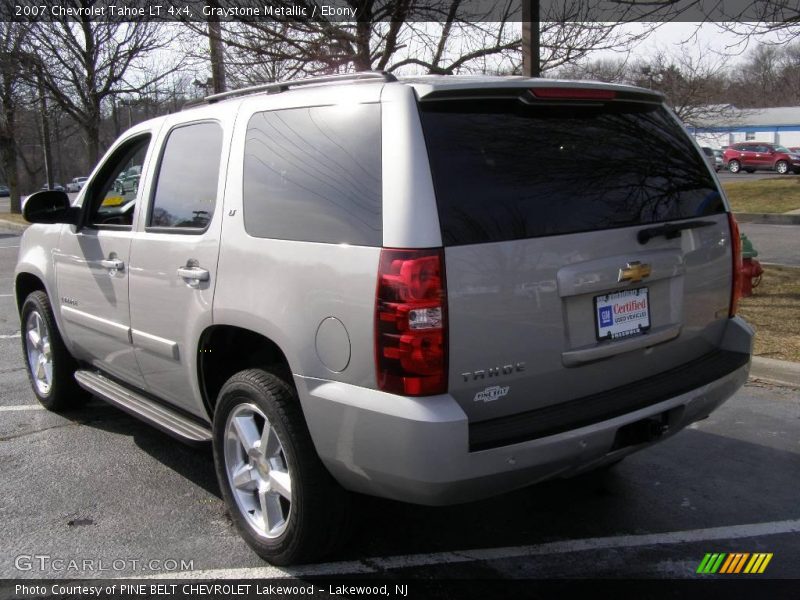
x: 669, y: 230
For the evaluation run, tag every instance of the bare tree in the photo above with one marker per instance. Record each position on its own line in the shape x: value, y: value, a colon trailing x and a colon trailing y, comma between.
x: 769, y: 21
x: 11, y: 40
x: 572, y: 29
x: 767, y: 75
x: 691, y: 84
x: 791, y: 73
x: 694, y: 86
x: 412, y: 36
x: 84, y: 64
x: 755, y: 81
x: 611, y: 70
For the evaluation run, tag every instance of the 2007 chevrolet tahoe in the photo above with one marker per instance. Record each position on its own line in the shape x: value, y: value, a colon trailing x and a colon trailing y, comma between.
x: 433, y: 289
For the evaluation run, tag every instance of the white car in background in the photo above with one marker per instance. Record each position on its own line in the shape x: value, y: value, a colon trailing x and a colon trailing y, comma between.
x: 76, y: 184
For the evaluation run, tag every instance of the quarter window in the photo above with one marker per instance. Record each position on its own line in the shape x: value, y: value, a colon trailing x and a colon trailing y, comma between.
x: 188, y: 176
x: 314, y: 174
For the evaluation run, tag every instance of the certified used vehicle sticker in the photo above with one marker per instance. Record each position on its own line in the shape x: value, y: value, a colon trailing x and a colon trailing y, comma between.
x: 622, y: 314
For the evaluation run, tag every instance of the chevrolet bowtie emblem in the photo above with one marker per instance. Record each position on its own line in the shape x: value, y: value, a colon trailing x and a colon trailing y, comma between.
x: 635, y: 271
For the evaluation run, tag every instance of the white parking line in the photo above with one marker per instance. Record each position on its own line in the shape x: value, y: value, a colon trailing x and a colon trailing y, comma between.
x: 376, y: 565
x: 6, y: 295
x: 21, y: 407
x: 10, y: 336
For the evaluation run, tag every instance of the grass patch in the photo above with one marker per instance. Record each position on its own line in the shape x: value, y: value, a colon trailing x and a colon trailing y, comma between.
x: 764, y: 195
x: 774, y: 312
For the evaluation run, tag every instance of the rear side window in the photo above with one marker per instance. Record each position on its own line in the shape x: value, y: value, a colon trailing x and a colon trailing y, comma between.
x: 505, y: 170
x: 314, y: 174
x: 188, y: 175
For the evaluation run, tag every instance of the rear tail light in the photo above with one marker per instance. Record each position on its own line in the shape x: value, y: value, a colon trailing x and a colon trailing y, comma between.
x: 736, y: 254
x: 411, y: 322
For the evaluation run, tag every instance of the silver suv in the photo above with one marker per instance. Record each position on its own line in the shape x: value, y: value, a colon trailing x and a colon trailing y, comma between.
x: 432, y: 290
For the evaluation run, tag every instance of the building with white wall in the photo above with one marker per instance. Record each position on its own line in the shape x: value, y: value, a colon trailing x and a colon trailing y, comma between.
x: 780, y: 125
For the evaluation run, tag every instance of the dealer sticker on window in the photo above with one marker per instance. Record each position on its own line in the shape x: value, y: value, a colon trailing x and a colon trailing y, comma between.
x: 622, y: 314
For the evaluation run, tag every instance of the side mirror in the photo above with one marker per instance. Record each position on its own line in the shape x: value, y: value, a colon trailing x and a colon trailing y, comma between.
x: 50, y: 206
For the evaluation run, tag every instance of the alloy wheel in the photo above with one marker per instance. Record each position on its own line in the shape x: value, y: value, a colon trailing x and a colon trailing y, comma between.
x: 40, y: 356
x: 258, y: 471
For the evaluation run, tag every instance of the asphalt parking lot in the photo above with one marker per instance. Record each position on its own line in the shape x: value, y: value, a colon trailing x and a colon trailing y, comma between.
x: 727, y: 177
x: 775, y: 244
x: 96, y: 485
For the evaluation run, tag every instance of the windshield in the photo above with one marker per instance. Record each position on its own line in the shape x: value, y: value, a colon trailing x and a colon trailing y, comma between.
x: 781, y: 149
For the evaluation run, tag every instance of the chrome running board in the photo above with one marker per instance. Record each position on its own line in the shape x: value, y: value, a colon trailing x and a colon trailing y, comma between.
x: 169, y: 421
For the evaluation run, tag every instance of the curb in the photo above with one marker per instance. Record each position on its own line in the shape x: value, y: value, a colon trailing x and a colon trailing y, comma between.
x: 768, y: 218
x: 12, y: 225
x: 781, y: 372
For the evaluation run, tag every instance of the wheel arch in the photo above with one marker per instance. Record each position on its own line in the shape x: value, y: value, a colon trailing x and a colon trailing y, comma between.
x: 34, y: 273
x: 24, y: 284
x: 224, y: 350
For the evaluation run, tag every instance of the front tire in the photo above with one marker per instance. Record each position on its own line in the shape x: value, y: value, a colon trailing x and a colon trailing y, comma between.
x: 734, y: 166
x: 281, y: 498
x: 782, y: 167
x: 51, y: 368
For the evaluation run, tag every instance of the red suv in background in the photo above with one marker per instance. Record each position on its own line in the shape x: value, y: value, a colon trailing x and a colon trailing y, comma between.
x: 750, y: 156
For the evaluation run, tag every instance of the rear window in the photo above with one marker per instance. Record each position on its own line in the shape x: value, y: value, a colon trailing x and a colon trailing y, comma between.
x: 505, y: 170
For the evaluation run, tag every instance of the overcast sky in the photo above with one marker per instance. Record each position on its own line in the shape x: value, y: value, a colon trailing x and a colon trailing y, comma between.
x: 699, y: 39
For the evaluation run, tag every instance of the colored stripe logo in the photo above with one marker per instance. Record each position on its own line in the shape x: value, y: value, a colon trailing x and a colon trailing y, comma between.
x: 734, y: 563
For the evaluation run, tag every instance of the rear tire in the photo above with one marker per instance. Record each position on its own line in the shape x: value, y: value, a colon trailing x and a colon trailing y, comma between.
x: 283, y: 501
x: 51, y: 368
x: 734, y: 166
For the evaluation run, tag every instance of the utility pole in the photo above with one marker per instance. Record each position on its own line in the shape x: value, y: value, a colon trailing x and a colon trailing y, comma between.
x: 530, y: 38
x: 216, y: 54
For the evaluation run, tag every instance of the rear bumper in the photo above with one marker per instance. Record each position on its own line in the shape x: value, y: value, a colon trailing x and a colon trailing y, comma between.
x: 417, y: 449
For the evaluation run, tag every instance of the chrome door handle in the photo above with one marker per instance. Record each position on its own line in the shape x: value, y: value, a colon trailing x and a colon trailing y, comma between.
x: 112, y: 264
x: 193, y: 275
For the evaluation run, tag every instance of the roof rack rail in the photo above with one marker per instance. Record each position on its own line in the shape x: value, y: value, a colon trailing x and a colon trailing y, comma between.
x: 282, y: 86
